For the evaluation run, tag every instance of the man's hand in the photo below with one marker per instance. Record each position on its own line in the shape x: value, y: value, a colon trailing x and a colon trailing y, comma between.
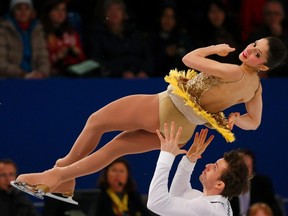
x: 199, y: 145
x: 170, y: 142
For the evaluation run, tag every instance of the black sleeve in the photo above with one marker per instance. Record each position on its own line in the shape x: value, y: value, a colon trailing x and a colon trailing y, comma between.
x: 137, y: 205
x: 104, y: 205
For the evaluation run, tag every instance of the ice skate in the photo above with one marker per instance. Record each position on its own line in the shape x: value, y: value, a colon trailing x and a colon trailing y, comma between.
x: 44, y: 184
x: 36, y: 191
x: 65, y: 188
x: 40, y: 191
x: 64, y: 199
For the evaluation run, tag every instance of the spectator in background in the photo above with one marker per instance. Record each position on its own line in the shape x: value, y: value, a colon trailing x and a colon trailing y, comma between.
x: 12, y: 201
x: 170, y: 42
x: 23, y: 52
x: 276, y: 25
x: 260, y: 209
x: 261, y: 190
x: 74, y: 17
x: 217, y: 29
x: 63, y: 41
x: 118, y: 196
x: 121, y: 49
x: 251, y: 16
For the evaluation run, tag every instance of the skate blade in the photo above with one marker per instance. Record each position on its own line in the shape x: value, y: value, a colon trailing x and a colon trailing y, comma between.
x: 32, y: 190
x: 68, y: 199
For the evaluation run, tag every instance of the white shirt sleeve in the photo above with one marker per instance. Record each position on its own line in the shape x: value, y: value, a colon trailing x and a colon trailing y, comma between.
x: 181, y: 185
x: 162, y: 203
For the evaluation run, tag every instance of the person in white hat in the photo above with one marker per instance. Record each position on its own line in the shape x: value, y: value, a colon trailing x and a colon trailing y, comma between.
x: 23, y: 52
x: 13, y: 3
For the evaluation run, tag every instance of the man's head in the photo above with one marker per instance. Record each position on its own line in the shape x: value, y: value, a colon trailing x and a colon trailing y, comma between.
x: 227, y: 177
x: 8, y: 172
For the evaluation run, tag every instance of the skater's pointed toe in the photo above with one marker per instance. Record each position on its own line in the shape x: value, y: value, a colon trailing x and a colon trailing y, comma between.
x: 46, y: 181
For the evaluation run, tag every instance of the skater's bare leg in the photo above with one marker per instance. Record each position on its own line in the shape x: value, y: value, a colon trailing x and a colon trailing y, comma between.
x: 129, y: 142
x: 126, y: 114
x: 126, y: 143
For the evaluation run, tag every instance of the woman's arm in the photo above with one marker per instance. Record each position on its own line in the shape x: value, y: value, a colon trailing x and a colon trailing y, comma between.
x: 197, y: 60
x: 252, y: 119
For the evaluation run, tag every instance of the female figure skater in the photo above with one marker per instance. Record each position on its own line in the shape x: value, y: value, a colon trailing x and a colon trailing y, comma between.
x: 190, y: 100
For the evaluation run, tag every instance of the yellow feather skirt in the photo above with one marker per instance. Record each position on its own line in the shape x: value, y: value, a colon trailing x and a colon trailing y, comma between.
x: 173, y: 78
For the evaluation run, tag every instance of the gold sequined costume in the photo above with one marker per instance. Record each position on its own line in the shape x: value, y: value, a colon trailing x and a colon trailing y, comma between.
x: 181, y: 101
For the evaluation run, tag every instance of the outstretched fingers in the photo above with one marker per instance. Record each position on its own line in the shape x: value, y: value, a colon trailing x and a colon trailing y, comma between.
x: 199, y: 145
x: 170, y: 141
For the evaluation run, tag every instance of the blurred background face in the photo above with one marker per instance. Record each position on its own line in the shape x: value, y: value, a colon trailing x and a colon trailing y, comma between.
x: 216, y: 15
x: 115, y: 14
x: 23, y: 12
x: 117, y: 176
x: 168, y: 21
x: 249, y: 163
x: 261, y: 212
x: 273, y: 13
x: 58, y: 14
x: 7, y: 174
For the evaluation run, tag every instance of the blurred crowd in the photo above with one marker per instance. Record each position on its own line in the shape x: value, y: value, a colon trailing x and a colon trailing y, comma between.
x: 128, y: 39
x: 117, y: 194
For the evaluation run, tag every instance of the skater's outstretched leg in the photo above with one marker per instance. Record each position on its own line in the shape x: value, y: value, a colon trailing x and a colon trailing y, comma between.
x: 128, y: 113
x: 128, y: 142
x: 125, y: 114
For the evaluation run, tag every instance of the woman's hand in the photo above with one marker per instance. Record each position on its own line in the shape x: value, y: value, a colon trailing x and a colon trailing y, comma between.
x: 199, y: 145
x: 232, y: 118
x: 223, y: 49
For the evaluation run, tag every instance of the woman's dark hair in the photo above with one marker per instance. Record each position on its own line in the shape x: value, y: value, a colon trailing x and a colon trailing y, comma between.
x: 218, y: 3
x: 103, y: 182
x: 175, y: 11
x: 236, y: 176
x: 277, y: 54
x: 48, y: 27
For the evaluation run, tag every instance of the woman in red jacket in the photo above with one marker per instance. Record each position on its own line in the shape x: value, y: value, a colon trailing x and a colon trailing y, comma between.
x: 63, y: 41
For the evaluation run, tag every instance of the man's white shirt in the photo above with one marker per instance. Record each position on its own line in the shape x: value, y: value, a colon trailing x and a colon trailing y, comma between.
x: 181, y: 200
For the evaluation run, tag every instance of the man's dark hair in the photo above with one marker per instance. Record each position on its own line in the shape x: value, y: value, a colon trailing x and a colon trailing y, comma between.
x: 236, y: 176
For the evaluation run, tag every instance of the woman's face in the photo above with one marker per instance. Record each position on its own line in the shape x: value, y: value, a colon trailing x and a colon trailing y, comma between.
x: 117, y: 176
x: 273, y: 14
x: 216, y: 16
x: 23, y: 12
x: 115, y: 14
x: 58, y: 14
x: 255, y: 54
x: 167, y: 20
